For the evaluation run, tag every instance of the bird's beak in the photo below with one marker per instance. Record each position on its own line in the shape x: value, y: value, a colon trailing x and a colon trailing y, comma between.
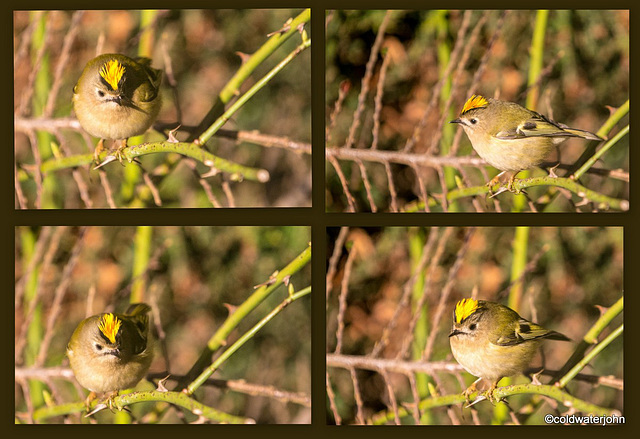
x: 455, y: 121
x: 455, y: 332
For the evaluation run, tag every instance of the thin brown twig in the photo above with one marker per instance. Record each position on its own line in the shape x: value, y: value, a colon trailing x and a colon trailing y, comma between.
x: 415, y: 408
x: 24, y: 386
x: 25, y: 39
x: 357, y: 396
x: 333, y: 261
x: 63, y: 62
x: 392, y: 188
x: 209, y: 191
x: 343, y: 90
x: 366, y: 80
x: 152, y: 187
x: 405, y: 299
x: 445, y: 190
x: 58, y: 297
x: 332, y: 400
x: 391, y: 395
x: 191, y: 164
x: 269, y: 140
x: 434, y: 263
x: 367, y: 186
x: 342, y: 298
x: 104, y: 182
x: 226, y: 188
x: 457, y: 75
x: 403, y: 158
x: 21, y: 339
x: 467, y: 181
x: 38, y: 177
x: 481, y: 68
x: 42, y: 50
x: 378, y: 99
x: 444, y: 295
x: 393, y: 365
x: 83, y: 189
x: 437, y: 90
x: 422, y: 186
x: 22, y: 201
x: 36, y: 257
x: 343, y: 181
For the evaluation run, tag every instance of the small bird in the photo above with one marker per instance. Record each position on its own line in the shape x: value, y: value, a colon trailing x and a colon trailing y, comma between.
x: 111, y: 352
x: 510, y: 137
x: 492, y: 341
x: 116, y: 98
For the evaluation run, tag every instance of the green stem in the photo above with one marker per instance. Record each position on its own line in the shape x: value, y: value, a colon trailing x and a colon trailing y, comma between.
x: 204, y: 137
x: 237, y: 171
x: 175, y: 398
x: 230, y: 90
x: 615, y: 117
x: 242, y: 340
x: 519, y: 389
x: 520, y: 246
x: 141, y: 256
x: 604, y: 320
x: 536, y: 57
x: 603, y: 201
x: 590, y: 338
x: 535, y: 67
x: 219, y: 338
x: 590, y: 356
x: 606, y: 147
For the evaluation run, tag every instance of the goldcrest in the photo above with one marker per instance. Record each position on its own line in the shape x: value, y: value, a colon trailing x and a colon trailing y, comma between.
x: 117, y: 97
x: 112, y: 352
x: 510, y: 137
x: 492, y: 341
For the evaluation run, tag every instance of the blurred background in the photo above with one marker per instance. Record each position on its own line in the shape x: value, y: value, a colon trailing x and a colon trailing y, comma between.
x: 194, y: 278
x: 391, y: 294
x: 412, y: 96
x: 200, y: 51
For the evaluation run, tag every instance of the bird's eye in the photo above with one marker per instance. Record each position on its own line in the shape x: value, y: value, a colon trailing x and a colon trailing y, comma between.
x: 472, y: 326
x: 473, y: 121
x: 98, y: 347
x: 100, y: 93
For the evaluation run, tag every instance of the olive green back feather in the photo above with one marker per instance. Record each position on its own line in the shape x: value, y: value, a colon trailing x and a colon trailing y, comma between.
x: 527, y: 331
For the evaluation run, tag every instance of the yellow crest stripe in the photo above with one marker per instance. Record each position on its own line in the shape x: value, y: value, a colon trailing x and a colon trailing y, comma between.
x: 112, y: 72
x: 465, y: 308
x: 110, y: 325
x: 475, y: 101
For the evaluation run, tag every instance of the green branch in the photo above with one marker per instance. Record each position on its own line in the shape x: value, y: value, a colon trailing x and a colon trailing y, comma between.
x: 590, y: 356
x: 219, y: 339
x: 175, y: 398
x: 230, y: 90
x: 293, y: 296
x: 219, y: 123
x: 217, y: 164
x: 590, y: 338
x: 606, y: 147
x: 554, y: 392
x: 603, y: 201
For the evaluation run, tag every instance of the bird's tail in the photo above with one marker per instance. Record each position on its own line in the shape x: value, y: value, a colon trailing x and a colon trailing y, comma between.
x: 582, y: 133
